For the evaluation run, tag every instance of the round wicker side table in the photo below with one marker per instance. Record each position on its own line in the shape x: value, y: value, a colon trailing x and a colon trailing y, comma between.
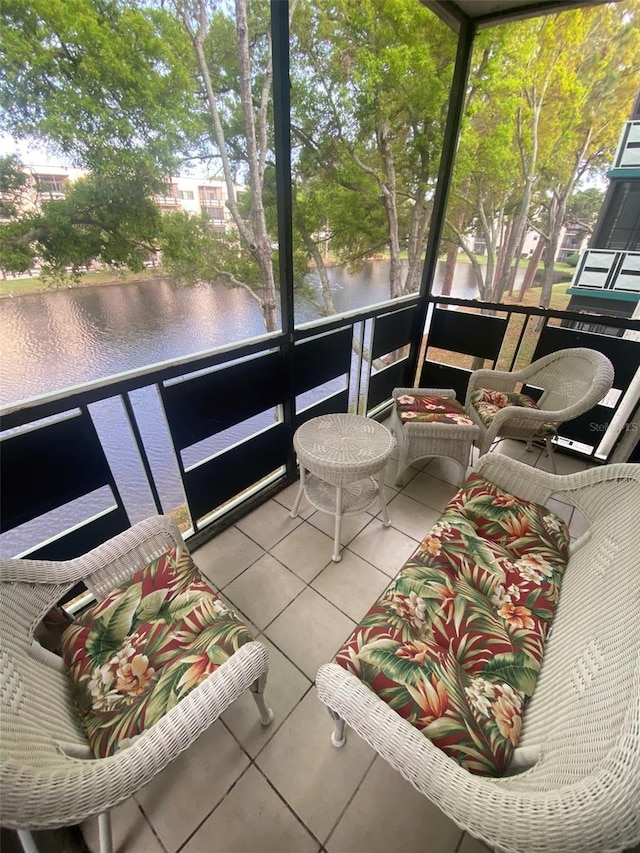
x: 339, y: 456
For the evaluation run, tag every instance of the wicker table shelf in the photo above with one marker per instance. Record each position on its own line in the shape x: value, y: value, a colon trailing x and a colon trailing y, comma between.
x: 339, y: 456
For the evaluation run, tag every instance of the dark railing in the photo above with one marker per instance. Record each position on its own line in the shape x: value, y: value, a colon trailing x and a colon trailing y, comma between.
x: 206, y: 438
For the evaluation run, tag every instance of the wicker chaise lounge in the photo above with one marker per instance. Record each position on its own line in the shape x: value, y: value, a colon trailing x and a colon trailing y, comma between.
x: 573, y: 784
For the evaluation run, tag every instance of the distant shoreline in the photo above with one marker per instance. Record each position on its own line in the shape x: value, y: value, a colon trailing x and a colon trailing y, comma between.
x: 14, y: 287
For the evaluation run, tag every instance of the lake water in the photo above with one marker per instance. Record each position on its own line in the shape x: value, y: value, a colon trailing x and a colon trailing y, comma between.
x: 66, y: 337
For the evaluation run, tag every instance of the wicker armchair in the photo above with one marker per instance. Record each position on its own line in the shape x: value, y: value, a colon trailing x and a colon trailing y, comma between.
x: 48, y: 776
x: 579, y: 756
x: 572, y: 380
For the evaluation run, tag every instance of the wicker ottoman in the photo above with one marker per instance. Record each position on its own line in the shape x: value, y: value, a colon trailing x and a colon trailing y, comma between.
x: 431, y: 422
x: 339, y: 456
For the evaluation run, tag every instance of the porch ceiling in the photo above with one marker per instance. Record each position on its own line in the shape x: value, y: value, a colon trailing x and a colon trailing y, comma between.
x: 487, y: 13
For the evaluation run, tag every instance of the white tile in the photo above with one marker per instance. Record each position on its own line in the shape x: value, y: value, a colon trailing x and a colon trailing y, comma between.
x: 287, y: 497
x: 352, y: 585
x: 430, y: 491
x: 310, y: 631
x: 252, y: 817
x: 264, y: 590
x: 226, y: 555
x: 349, y: 529
x: 384, y: 547
x: 132, y: 832
x: 386, y: 809
x: 268, y: 524
x: 472, y: 845
x: 565, y: 464
x: 189, y: 788
x: 286, y: 685
x: 565, y: 511
x: 579, y: 524
x: 306, y: 550
x: 517, y: 450
x: 315, y: 778
x: 411, y: 517
x: 446, y: 469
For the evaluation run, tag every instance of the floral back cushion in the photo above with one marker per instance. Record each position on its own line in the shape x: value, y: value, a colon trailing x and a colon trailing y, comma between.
x: 488, y: 403
x: 455, y: 643
x: 429, y: 409
x: 135, y: 655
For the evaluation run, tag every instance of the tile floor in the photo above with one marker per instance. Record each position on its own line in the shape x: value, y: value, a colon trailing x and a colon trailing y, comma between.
x: 285, y: 789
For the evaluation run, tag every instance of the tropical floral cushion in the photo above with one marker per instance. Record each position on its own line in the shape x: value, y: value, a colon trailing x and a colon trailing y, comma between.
x: 135, y: 655
x: 488, y: 403
x: 427, y: 409
x: 455, y: 643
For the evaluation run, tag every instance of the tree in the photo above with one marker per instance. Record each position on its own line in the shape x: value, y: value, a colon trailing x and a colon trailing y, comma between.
x: 111, y: 218
x: 545, y: 107
x: 233, y: 97
x: 370, y: 87
x: 596, y: 88
x: 98, y: 82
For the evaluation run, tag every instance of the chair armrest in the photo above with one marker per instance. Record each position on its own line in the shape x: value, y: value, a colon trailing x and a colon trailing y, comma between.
x: 75, y: 788
x: 500, y: 811
x: 496, y: 380
x: 122, y: 551
x: 447, y: 393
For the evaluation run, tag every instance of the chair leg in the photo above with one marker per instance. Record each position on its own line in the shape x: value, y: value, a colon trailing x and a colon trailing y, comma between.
x: 338, y: 737
x: 27, y: 842
x: 552, y: 456
x: 104, y: 830
x: 257, y: 691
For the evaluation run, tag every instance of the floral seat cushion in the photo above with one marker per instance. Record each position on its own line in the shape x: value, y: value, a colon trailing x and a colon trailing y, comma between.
x: 488, y: 403
x: 428, y: 409
x: 455, y: 644
x: 136, y: 654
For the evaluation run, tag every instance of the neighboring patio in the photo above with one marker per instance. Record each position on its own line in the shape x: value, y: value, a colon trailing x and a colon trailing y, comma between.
x: 286, y: 788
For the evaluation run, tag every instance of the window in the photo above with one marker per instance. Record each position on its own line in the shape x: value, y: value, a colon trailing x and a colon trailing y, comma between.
x: 52, y: 185
x: 208, y: 194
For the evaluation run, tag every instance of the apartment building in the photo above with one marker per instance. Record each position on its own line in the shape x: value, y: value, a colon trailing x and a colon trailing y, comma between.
x: 194, y: 195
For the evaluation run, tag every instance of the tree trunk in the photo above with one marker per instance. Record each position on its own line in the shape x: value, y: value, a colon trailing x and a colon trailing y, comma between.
x: 532, y: 268
x: 261, y: 249
x: 502, y: 261
x: 254, y: 233
x: 449, y: 269
x: 516, y: 264
x: 390, y: 202
x: 325, y: 287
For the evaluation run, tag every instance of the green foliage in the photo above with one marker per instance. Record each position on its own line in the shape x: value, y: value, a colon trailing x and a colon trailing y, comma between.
x: 13, y: 182
x: 192, y: 251
x: 110, y: 218
x: 572, y: 260
x: 103, y: 82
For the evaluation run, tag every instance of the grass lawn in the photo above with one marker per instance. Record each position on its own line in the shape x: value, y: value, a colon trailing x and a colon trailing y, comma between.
x: 21, y: 286
x: 559, y: 301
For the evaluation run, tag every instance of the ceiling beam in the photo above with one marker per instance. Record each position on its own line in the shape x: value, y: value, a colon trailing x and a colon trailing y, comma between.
x: 453, y: 13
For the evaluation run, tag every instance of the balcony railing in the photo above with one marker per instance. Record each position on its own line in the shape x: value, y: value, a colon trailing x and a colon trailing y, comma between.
x: 628, y: 153
x: 83, y: 464
x: 616, y: 274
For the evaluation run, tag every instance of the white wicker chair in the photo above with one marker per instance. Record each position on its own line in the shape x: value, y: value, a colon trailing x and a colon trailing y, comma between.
x: 581, y: 734
x: 573, y: 381
x: 48, y: 777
